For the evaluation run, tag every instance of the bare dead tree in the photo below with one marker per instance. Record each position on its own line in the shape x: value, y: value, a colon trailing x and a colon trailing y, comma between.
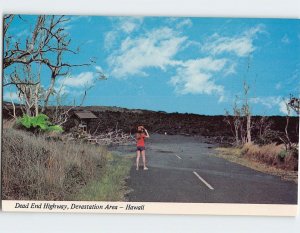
x: 285, y: 138
x: 60, y: 113
x: 242, y: 115
x: 291, y: 104
x: 247, y: 112
x: 45, y: 46
x: 265, y: 133
x: 28, y: 88
x: 294, y: 104
x: 243, y: 132
x: 237, y: 122
x: 234, y: 122
x: 241, y: 123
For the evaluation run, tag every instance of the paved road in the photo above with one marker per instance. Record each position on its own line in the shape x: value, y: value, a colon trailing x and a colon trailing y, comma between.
x: 184, y: 169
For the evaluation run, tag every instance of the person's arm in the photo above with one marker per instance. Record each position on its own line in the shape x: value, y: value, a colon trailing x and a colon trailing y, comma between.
x: 147, y: 134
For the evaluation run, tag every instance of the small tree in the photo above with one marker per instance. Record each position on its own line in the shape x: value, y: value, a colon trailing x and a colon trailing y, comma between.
x: 242, y: 115
x: 247, y: 112
x: 240, y: 122
x: 291, y: 104
x: 234, y: 122
x: 29, y: 89
x: 294, y: 103
x: 264, y: 132
x: 285, y: 137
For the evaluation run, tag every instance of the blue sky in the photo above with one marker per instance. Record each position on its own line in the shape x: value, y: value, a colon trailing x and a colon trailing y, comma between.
x: 194, y: 65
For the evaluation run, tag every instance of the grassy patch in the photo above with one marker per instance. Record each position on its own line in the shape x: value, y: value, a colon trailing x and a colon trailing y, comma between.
x: 235, y: 155
x: 111, y: 183
x: 37, y: 168
x: 273, y: 155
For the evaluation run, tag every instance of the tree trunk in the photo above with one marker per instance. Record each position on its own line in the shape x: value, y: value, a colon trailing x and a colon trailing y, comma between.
x: 50, y: 89
x: 236, y: 129
x: 286, y: 132
x: 249, y: 128
x: 36, y: 99
x: 237, y: 137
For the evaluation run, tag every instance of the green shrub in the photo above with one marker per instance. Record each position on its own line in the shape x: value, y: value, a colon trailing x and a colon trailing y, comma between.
x: 39, y: 123
x: 282, y: 154
x: 56, y: 128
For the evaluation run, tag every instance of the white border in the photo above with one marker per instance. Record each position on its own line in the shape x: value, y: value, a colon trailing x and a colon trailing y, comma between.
x: 151, y: 208
x: 201, y: 8
x: 150, y: 223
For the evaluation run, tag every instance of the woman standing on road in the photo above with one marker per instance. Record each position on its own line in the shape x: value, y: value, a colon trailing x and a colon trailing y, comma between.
x: 142, y: 133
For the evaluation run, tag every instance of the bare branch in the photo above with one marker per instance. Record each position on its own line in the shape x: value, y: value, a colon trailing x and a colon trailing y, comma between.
x: 7, y: 22
x: 19, y: 83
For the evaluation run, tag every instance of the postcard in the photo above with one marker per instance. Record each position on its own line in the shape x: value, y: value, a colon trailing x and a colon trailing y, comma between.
x: 150, y: 115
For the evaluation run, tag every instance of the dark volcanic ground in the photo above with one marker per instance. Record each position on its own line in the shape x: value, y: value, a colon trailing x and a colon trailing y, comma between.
x: 184, y: 169
x: 214, y: 127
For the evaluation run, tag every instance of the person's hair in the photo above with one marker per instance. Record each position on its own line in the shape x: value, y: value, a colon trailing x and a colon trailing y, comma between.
x: 140, y: 130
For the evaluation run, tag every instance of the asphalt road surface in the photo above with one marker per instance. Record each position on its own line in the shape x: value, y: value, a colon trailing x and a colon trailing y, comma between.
x: 184, y: 169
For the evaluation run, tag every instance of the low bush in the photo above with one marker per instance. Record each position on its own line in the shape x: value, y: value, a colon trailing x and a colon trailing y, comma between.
x: 34, y: 168
x: 39, y: 123
x: 272, y: 154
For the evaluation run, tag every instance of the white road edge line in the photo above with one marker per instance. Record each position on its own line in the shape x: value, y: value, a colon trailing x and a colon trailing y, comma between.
x: 178, y: 156
x: 200, y: 178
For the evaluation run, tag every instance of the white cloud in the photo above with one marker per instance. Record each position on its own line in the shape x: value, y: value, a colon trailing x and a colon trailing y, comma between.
x: 62, y: 90
x: 241, y: 45
x: 156, y: 49
x: 129, y: 24
x: 268, y: 102
x: 11, y: 96
x: 272, y: 102
x: 185, y: 23
x: 197, y: 77
x: 178, y: 22
x: 109, y: 39
x: 71, y: 21
x: 231, y: 69
x: 285, y: 39
x: 98, y: 68
x: 121, y: 25
x: 81, y: 80
x: 283, y: 107
x: 252, y: 32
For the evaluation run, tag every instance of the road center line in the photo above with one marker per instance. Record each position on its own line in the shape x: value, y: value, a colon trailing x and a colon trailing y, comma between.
x: 178, y: 156
x: 200, y: 178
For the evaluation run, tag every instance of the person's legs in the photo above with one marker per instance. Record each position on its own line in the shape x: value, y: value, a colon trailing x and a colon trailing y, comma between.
x: 144, y: 159
x: 138, y: 153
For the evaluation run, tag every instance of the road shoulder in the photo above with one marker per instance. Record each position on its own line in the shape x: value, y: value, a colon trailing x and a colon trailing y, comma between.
x: 234, y: 155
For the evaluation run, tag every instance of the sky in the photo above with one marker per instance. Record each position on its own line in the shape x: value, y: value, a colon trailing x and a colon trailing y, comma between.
x: 186, y: 65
